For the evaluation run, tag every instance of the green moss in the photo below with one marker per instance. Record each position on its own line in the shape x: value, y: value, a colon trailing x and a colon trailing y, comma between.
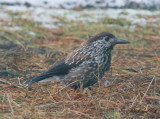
x: 1, y: 99
x: 113, y: 115
x: 18, y: 100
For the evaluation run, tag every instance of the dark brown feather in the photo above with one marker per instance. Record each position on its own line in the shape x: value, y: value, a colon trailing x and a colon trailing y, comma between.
x: 99, y: 36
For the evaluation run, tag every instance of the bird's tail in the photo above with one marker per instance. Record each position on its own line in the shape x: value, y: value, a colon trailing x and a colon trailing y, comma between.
x: 55, y: 73
x: 42, y: 78
x: 36, y: 79
x: 30, y: 81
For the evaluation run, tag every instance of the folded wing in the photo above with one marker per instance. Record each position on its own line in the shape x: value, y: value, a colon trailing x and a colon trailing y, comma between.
x: 59, y: 69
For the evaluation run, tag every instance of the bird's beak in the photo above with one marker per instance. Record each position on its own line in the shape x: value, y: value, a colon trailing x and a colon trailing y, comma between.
x: 121, y: 41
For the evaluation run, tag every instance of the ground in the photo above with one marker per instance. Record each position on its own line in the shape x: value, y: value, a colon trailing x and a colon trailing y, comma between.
x: 29, y: 46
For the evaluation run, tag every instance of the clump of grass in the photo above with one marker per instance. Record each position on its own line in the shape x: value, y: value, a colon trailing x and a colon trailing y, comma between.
x: 118, y: 21
x: 124, y: 13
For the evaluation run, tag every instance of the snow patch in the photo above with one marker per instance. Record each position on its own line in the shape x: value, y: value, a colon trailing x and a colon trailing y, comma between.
x: 51, y: 18
x: 15, y: 28
x: 70, y: 4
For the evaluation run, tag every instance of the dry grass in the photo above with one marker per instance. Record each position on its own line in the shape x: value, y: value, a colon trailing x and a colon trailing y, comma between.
x: 134, y: 92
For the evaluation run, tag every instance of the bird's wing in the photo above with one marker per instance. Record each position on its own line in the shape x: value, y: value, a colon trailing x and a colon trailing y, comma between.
x: 108, y: 62
x: 59, y: 69
x: 77, y: 57
x: 62, y: 67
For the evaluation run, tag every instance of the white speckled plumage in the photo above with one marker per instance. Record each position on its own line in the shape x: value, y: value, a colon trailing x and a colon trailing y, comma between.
x: 84, y: 65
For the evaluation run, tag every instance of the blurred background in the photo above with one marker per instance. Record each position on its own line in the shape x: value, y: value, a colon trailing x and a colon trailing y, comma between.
x: 34, y: 34
x: 35, y: 20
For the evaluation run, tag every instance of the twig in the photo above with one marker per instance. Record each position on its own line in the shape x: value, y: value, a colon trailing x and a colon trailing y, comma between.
x: 5, y: 82
x: 81, y: 113
x: 134, y: 101
x: 66, y: 86
x: 8, y: 97
x: 147, y: 89
x: 49, y: 104
x: 8, y: 83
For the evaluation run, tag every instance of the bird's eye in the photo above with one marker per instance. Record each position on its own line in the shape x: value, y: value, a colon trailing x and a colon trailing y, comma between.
x: 107, y: 38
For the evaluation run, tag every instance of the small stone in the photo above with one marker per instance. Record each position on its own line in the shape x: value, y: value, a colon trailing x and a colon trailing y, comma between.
x: 106, y: 83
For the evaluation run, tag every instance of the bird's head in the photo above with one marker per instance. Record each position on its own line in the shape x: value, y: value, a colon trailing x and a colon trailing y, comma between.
x: 106, y: 40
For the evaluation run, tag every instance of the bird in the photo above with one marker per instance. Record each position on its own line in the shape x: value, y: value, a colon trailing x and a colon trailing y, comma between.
x: 84, y: 66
